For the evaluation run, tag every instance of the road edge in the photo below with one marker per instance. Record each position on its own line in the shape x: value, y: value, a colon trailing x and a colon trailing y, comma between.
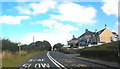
x: 107, y: 65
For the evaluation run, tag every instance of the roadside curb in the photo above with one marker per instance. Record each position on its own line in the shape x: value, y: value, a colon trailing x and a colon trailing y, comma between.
x: 104, y: 63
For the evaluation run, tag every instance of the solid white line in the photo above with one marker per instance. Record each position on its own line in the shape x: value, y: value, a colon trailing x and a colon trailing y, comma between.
x: 56, y: 61
x: 52, y: 60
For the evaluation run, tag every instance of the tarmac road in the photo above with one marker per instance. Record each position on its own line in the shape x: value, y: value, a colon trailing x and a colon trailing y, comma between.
x: 57, y: 60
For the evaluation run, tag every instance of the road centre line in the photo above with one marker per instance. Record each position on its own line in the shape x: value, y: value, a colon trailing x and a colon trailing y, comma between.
x: 52, y: 60
x: 56, y: 62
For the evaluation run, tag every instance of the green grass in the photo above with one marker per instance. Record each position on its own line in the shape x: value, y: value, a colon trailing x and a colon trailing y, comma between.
x: 106, y: 52
x: 15, y: 59
x: 71, y: 50
x: 108, y: 46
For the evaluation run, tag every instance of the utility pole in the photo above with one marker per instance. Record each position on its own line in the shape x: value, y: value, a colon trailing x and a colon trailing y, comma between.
x: 33, y: 39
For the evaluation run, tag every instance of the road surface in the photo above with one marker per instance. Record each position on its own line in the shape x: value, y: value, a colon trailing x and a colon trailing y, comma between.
x: 57, y: 60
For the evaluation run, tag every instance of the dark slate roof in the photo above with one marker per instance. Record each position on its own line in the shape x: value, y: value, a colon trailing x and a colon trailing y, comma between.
x: 74, y: 39
x: 86, y: 33
x: 99, y: 32
x: 115, y: 33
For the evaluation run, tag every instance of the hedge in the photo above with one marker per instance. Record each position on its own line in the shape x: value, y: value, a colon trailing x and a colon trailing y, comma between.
x: 107, y: 51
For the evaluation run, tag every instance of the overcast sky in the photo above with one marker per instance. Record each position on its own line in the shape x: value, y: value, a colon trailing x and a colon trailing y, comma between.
x: 56, y: 21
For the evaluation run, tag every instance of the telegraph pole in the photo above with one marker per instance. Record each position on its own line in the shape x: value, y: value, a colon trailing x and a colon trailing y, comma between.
x: 33, y: 39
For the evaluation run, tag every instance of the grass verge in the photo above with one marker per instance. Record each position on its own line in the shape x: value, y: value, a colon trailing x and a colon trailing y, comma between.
x: 15, y: 59
x: 107, y: 52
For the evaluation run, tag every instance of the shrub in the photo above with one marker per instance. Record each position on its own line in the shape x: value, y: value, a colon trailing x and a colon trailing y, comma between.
x: 108, y: 51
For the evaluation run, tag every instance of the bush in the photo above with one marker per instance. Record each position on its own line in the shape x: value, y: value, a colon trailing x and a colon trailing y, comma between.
x: 72, y: 45
x: 107, y: 51
x: 99, y: 53
x: 58, y: 46
x: 7, y: 45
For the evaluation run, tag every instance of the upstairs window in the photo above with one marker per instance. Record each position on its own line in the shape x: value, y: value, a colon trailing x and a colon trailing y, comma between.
x: 108, y: 38
x: 104, y: 38
x: 101, y: 38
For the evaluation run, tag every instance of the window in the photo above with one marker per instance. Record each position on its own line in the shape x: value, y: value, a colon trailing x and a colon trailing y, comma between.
x: 101, y: 38
x: 104, y: 38
x: 108, y: 38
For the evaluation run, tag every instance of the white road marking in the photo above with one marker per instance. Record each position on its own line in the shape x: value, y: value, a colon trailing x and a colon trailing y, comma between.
x: 26, y: 65
x: 54, y: 61
x: 30, y: 60
x: 37, y: 65
x: 40, y: 60
x: 45, y: 65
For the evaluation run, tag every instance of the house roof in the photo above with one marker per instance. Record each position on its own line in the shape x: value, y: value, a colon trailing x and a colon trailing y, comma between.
x: 115, y: 33
x: 90, y: 33
x: 86, y: 33
x: 99, y: 32
x: 74, y: 39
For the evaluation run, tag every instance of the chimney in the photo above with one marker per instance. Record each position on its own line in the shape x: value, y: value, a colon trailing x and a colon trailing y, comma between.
x: 73, y: 36
x: 86, y: 30
x: 95, y: 30
x: 105, y: 26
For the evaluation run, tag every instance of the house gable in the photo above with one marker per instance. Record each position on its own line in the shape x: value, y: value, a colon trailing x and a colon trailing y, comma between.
x: 106, y: 36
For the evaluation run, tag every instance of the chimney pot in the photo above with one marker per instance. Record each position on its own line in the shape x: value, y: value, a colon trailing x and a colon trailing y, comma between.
x: 86, y: 30
x: 73, y: 36
x: 95, y: 30
x: 105, y: 26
